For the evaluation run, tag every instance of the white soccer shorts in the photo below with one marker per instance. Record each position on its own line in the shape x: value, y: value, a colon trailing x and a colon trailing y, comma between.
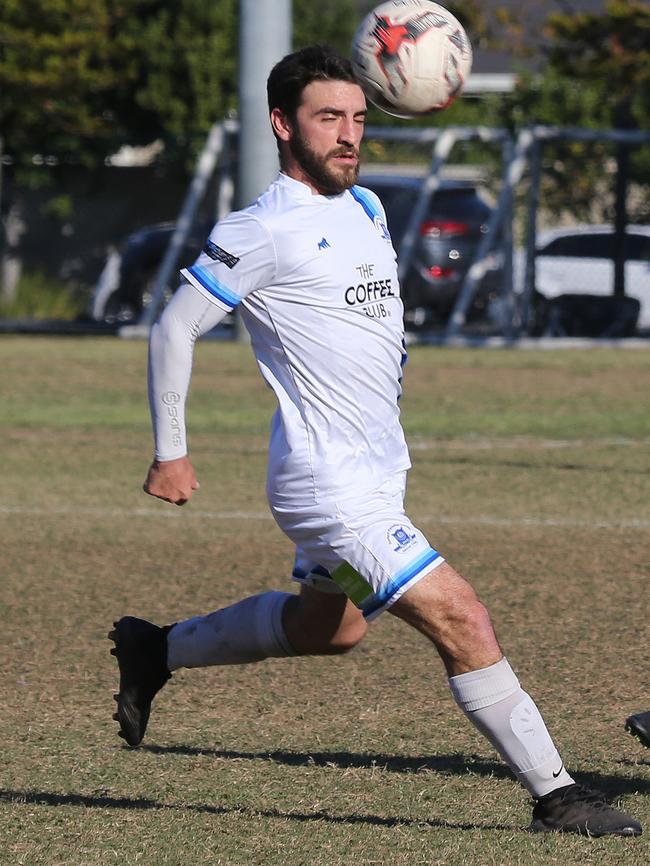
x: 364, y: 546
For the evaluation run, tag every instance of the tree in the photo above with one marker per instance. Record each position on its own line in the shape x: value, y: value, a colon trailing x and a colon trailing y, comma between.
x: 79, y: 76
x: 333, y: 22
x: 610, y: 53
x: 596, y: 76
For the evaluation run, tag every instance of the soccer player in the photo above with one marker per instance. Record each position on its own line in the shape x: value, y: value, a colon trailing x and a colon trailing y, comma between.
x: 311, y: 267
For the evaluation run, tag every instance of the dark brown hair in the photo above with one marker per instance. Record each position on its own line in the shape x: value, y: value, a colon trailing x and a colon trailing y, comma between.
x: 293, y: 73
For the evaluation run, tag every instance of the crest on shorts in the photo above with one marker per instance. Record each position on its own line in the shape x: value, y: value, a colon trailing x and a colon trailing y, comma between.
x: 400, y: 537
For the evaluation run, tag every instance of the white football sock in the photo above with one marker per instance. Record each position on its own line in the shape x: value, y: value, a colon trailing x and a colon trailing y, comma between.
x: 248, y: 631
x: 496, y: 704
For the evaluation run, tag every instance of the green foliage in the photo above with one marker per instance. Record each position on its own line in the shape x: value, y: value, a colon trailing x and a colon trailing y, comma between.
x: 333, y: 22
x: 597, y: 76
x: 80, y: 77
x: 40, y: 297
x: 55, y: 71
x: 597, y: 73
x: 611, y: 53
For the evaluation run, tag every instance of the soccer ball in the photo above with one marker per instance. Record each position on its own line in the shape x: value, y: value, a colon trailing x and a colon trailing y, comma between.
x: 411, y: 57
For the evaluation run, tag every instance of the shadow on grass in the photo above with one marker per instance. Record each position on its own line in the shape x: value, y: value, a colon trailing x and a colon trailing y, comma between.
x: 526, y: 464
x: 48, y: 798
x: 453, y: 765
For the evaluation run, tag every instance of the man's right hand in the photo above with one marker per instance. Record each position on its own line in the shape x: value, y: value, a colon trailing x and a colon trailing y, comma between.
x: 171, y: 480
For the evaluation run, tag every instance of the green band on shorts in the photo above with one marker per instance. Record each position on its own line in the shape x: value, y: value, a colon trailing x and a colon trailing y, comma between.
x: 353, y: 585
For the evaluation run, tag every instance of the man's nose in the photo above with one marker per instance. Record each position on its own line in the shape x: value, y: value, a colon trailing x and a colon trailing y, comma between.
x: 349, y: 133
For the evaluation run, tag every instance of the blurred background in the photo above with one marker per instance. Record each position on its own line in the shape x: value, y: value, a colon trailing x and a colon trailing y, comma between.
x: 120, y: 119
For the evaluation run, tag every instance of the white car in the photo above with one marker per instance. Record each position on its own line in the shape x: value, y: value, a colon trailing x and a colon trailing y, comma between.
x: 578, y: 260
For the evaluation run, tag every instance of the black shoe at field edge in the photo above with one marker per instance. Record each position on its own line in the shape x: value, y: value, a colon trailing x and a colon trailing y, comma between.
x: 639, y: 726
x: 141, y: 652
x: 576, y: 809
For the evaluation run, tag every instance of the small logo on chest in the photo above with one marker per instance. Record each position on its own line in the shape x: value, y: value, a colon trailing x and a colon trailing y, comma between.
x: 382, y: 228
x: 323, y: 244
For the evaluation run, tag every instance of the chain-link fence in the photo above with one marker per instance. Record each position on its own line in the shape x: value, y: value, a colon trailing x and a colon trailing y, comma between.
x: 499, y: 236
x: 562, y: 251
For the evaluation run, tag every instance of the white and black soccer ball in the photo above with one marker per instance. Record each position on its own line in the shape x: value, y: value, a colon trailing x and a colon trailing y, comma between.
x: 411, y: 57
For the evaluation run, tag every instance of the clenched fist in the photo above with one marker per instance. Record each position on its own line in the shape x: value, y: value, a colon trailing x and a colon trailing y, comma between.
x: 171, y: 480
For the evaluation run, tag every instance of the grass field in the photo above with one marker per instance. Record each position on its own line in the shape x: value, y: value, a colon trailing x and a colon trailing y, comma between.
x: 531, y: 473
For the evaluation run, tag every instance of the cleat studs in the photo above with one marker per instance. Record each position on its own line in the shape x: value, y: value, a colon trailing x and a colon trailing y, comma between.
x: 116, y: 718
x: 121, y: 734
x: 116, y: 696
x: 113, y: 651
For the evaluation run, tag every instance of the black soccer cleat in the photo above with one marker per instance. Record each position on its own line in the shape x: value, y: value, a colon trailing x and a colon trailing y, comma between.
x: 576, y: 809
x: 141, y: 652
x: 639, y: 727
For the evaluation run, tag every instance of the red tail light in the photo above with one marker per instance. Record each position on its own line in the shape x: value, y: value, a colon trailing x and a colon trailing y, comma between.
x: 435, y: 228
x: 437, y: 272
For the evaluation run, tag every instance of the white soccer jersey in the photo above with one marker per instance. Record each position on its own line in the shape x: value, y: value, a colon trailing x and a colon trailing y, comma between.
x: 316, y: 278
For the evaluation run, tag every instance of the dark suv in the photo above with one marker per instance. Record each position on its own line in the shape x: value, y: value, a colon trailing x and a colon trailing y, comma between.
x: 448, y: 237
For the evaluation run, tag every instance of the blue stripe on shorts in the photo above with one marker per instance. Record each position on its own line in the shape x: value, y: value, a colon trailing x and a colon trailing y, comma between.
x: 380, y: 599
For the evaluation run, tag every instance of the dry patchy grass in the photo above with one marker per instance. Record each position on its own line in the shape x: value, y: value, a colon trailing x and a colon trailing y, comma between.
x: 531, y: 473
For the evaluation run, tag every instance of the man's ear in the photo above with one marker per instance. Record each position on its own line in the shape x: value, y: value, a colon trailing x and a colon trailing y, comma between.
x: 281, y: 125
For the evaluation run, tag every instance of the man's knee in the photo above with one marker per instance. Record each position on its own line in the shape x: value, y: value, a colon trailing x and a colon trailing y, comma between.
x: 475, y: 617
x: 445, y: 608
x: 346, y: 637
x: 317, y: 624
x: 444, y: 600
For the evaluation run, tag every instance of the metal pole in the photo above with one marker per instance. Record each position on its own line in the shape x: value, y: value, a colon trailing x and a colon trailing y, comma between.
x: 620, y: 218
x: 264, y: 38
x: 441, y: 152
x: 531, y: 236
x: 512, y: 176
x: 202, y: 174
x: 506, y: 243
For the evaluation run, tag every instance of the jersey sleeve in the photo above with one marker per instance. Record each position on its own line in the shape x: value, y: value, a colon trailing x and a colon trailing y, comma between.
x: 239, y: 257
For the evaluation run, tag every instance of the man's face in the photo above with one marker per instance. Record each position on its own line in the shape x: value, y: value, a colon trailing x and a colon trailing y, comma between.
x: 325, y: 137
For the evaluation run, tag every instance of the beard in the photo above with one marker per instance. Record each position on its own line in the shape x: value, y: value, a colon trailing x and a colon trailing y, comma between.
x: 330, y: 180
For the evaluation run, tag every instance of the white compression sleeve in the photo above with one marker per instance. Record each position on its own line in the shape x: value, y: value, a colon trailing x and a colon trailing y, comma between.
x: 186, y: 317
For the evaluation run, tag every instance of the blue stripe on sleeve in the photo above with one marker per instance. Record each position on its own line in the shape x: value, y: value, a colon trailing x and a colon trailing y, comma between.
x: 203, y: 276
x: 365, y: 202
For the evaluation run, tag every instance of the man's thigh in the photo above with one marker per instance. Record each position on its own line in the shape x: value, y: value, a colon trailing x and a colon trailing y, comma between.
x: 365, y: 546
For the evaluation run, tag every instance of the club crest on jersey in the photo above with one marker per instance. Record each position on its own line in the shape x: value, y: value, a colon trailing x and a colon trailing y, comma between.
x: 220, y: 255
x: 401, y: 538
x: 323, y: 244
x: 382, y: 228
